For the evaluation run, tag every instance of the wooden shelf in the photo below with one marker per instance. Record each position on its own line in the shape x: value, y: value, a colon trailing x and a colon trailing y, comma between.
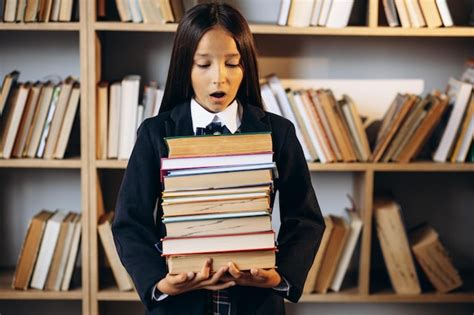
x: 113, y: 294
x: 7, y: 293
x: 68, y: 26
x: 40, y: 163
x: 288, y: 30
x: 348, y: 167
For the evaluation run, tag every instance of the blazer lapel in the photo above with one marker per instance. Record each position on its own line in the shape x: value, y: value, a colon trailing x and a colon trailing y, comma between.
x: 181, y: 123
x: 252, y: 119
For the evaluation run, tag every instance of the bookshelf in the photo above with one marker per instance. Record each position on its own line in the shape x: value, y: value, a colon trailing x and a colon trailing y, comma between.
x: 98, y: 288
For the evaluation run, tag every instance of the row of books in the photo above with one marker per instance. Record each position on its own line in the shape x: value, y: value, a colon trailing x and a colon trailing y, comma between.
x: 439, y: 125
x: 37, y: 119
x: 218, y: 205
x: 146, y: 11
x: 119, y: 114
x: 411, y: 120
x: 48, y: 256
x: 418, y: 13
x: 328, y: 130
x: 40, y: 11
x: 322, y: 13
x: 335, y: 252
x: 398, y: 249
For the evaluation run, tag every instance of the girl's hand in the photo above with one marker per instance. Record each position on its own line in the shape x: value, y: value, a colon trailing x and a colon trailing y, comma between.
x: 184, y: 282
x: 262, y: 278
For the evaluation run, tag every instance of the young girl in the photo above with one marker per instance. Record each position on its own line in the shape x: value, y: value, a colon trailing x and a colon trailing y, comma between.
x: 213, y: 78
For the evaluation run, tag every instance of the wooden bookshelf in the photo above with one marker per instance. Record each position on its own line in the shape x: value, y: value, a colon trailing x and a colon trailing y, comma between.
x: 91, y: 294
x: 70, y: 26
x: 40, y: 163
x: 7, y: 293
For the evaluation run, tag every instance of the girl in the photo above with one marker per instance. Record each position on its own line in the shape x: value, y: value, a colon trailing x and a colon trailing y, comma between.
x: 213, y: 78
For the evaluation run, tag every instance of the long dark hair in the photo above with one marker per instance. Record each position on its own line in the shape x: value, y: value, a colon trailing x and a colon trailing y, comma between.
x: 194, y: 24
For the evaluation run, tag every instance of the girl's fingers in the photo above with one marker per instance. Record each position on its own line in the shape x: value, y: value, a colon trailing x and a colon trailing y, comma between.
x: 205, y: 271
x: 234, y: 271
x: 177, y: 279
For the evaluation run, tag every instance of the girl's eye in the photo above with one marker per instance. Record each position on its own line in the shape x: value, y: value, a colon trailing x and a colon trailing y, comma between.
x: 233, y: 65
x: 203, y: 66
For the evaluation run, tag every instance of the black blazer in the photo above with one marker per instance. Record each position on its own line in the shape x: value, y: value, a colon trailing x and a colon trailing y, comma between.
x: 136, y: 231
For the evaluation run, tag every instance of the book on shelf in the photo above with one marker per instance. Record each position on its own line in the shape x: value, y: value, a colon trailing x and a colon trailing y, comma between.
x: 402, y: 13
x: 339, y: 13
x: 466, y: 134
x: 101, y: 120
x: 29, y: 250
x: 72, y: 114
x: 300, y: 13
x: 395, y: 247
x: 444, y: 12
x: 415, y: 14
x: 431, y: 13
x: 47, y: 249
x: 391, y: 12
x: 72, y: 253
x: 104, y: 229
x: 128, y: 112
x: 142, y: 11
x: 285, y: 6
x: 8, y: 85
x: 460, y: 93
x: 434, y: 259
x: 313, y: 272
x: 337, y: 240
x: 40, y: 11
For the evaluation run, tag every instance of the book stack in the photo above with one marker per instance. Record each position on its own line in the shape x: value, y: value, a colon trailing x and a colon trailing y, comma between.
x: 38, y: 119
x: 321, y: 13
x: 335, y: 252
x: 49, y: 252
x: 142, y: 11
x: 329, y: 130
x: 40, y: 11
x: 421, y: 13
x: 216, y: 201
x: 397, y: 249
x: 120, y: 113
x: 411, y: 122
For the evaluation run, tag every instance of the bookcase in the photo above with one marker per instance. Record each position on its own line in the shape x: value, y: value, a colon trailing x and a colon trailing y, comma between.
x: 109, y: 50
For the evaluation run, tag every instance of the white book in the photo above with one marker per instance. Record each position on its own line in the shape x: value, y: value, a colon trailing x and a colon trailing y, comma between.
x: 14, y: 119
x: 128, y: 114
x: 158, y: 100
x: 49, y: 119
x: 300, y: 13
x: 54, y: 17
x: 414, y: 11
x: 58, y: 118
x: 65, y: 254
x: 459, y: 108
x: 140, y: 112
x: 208, y: 161
x: 323, y: 17
x: 135, y: 11
x: 443, y: 10
x: 285, y: 107
x: 318, y: 5
x: 309, y: 125
x: 403, y: 13
x: 114, y: 120
x: 269, y: 100
x: 391, y: 13
x: 284, y: 12
x: 340, y: 13
x: 72, y: 255
x: 9, y: 12
x: 45, y: 255
x: 355, y: 224
x: 149, y: 96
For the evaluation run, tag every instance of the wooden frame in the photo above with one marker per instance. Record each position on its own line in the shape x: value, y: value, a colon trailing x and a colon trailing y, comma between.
x: 89, y: 32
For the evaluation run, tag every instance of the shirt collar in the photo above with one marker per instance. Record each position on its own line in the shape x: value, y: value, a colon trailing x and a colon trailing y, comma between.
x: 230, y: 117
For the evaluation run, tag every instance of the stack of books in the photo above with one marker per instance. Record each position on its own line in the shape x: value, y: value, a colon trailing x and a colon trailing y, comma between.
x: 216, y: 201
x: 39, y: 120
x: 49, y: 251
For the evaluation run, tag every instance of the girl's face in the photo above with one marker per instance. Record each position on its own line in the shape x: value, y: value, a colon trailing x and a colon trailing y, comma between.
x: 216, y: 73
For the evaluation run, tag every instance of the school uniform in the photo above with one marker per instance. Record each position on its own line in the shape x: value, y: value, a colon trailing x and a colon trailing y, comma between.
x: 136, y: 230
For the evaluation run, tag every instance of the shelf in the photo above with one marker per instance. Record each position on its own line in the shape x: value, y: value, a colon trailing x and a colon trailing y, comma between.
x: 40, y: 163
x: 348, y: 167
x: 113, y: 294
x: 288, y: 30
x: 68, y: 26
x: 7, y: 293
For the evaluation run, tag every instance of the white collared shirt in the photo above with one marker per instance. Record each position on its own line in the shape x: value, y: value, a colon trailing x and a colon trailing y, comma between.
x: 229, y: 117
